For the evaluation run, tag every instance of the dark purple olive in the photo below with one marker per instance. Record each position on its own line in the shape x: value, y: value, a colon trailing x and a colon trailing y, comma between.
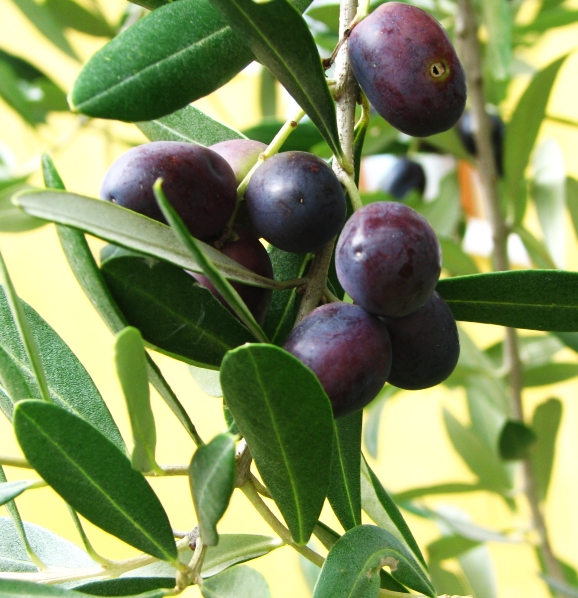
x: 425, y: 345
x: 198, y: 183
x: 388, y: 259
x: 295, y: 202
x: 241, y: 154
x: 497, y: 133
x: 405, y: 176
x: 406, y: 64
x: 349, y: 351
x: 248, y: 251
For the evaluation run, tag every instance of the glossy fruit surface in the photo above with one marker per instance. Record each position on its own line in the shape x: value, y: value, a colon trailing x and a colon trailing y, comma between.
x: 406, y: 64
x: 388, y: 259
x: 241, y: 154
x: 248, y: 251
x: 347, y: 349
x: 405, y: 176
x: 198, y: 183
x: 497, y: 133
x: 425, y: 345
x: 295, y: 202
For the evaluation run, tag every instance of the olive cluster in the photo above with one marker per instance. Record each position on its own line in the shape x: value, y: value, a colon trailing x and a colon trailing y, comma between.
x: 387, y: 257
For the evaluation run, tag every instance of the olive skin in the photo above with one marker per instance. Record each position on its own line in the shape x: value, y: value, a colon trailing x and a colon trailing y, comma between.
x: 466, y: 132
x: 199, y: 184
x: 241, y: 154
x: 248, y: 251
x: 406, y: 64
x: 349, y: 351
x: 296, y: 202
x: 425, y: 345
x: 388, y: 259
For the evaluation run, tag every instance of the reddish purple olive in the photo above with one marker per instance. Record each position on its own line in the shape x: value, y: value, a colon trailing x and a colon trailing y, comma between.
x: 241, y: 154
x: 405, y: 63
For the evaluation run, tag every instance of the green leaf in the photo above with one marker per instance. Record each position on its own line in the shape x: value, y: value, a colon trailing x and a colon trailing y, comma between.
x: 284, y: 304
x: 479, y: 458
x: 572, y: 200
x: 570, y: 339
x: 352, y: 567
x: 548, y: 193
x: 12, y: 382
x: 449, y: 547
x: 479, y: 571
x: 74, y: 16
x: 221, y: 284
x: 545, y: 423
x: 93, y: 476
x: 497, y: 18
x: 88, y: 275
x: 450, y: 488
x: 550, y: 373
x: 377, y: 503
x: 522, y: 131
x: 455, y: 260
x: 237, y: 582
x: 175, y: 315
x: 12, y: 219
x: 286, y: 418
x: 534, y: 299
x: 124, y: 227
x: 50, y: 548
x: 445, y: 581
x: 126, y: 586
x: 268, y: 94
x: 69, y: 384
x: 344, y: 492
x: 175, y: 41
x: 534, y: 350
x: 212, y: 481
x: 449, y: 142
x: 208, y: 380
x: 10, y: 490
x: 280, y: 39
x: 444, y: 212
x: 10, y: 588
x: 188, y: 124
x: 373, y: 418
x: 535, y: 248
x: 516, y: 441
x: 131, y: 368
x: 548, y: 19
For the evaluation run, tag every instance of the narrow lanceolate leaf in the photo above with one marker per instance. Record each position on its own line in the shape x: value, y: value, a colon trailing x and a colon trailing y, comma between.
x: 545, y: 423
x: 10, y: 588
x: 50, y: 548
x: 221, y: 284
x: 280, y: 39
x: 188, y: 124
x: 344, y: 492
x: 212, y: 480
x: 287, y: 420
x: 352, y: 568
x: 12, y: 219
x: 127, y: 586
x: 572, y: 200
x: 522, y: 132
x: 131, y: 368
x: 10, y: 490
x: 113, y: 223
x: 377, y: 503
x: 185, y: 51
x: 88, y: 275
x: 534, y: 299
x: 68, y: 382
x: 93, y: 476
x: 12, y: 382
x: 516, y: 441
x: 237, y: 582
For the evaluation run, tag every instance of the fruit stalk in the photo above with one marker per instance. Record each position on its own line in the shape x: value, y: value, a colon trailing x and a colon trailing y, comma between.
x: 467, y: 32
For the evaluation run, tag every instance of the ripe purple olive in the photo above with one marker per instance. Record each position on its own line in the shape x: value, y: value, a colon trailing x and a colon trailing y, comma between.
x: 248, y: 251
x: 295, y: 202
x: 349, y: 351
x: 497, y: 133
x: 425, y: 345
x: 405, y: 176
x: 199, y: 184
x: 388, y: 259
x: 406, y: 64
x: 241, y: 154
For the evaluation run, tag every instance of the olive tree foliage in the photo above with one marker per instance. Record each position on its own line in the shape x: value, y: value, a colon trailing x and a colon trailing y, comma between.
x: 278, y: 421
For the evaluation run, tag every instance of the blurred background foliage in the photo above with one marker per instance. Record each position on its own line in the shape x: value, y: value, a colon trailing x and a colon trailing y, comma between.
x: 448, y: 454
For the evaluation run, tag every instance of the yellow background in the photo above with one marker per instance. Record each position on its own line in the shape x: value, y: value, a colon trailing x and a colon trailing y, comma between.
x: 414, y: 449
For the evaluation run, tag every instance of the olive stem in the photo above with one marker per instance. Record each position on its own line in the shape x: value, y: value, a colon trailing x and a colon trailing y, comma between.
x: 255, y: 499
x: 15, y: 462
x: 467, y: 31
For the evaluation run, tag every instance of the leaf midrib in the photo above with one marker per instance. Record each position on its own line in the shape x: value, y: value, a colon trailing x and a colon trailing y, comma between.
x: 511, y: 304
